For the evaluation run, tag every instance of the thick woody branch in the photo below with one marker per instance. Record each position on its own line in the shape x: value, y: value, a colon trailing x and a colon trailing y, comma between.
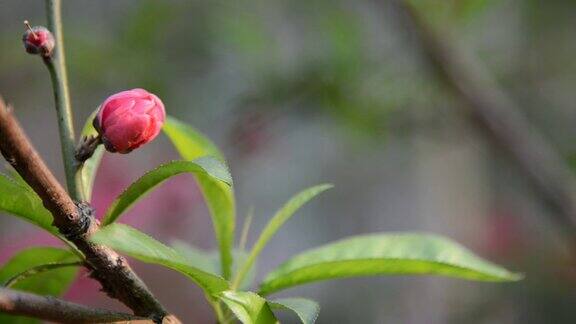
x: 501, y: 119
x: 53, y: 309
x: 18, y: 151
x: 76, y: 223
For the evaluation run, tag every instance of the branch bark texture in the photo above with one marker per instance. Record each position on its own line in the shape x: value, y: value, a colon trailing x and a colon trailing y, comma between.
x: 53, y: 309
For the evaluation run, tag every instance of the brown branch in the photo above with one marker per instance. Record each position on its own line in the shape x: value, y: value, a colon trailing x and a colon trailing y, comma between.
x: 501, y: 119
x: 23, y: 157
x: 53, y: 309
x: 110, y: 269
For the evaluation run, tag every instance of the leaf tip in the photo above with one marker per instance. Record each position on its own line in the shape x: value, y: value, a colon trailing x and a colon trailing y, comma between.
x: 515, y: 276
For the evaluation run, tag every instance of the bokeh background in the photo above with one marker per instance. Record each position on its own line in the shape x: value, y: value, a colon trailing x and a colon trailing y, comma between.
x: 298, y: 93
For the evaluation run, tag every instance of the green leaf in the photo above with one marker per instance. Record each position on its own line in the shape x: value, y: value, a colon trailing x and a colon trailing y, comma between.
x: 144, y: 248
x: 88, y: 172
x: 209, y: 261
x: 53, y: 282
x: 384, y: 254
x: 306, y: 309
x: 22, y: 202
x: 191, y: 144
x: 276, y: 222
x: 206, y: 166
x: 248, y: 307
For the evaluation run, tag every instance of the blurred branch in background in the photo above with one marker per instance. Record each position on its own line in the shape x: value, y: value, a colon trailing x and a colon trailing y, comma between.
x: 502, y: 120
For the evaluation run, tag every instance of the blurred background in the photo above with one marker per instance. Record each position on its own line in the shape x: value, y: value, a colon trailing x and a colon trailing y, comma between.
x: 298, y: 93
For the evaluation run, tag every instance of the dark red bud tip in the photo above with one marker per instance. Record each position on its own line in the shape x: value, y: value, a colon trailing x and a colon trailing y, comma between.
x: 38, y: 40
x: 129, y: 119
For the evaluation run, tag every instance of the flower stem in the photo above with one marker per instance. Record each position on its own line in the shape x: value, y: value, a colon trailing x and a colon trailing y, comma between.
x: 57, y: 67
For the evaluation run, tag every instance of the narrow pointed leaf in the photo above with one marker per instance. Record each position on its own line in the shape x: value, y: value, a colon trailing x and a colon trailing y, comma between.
x: 248, y: 307
x: 52, y: 283
x: 189, y: 142
x: 209, y: 261
x: 90, y: 167
x: 191, y: 145
x: 144, y: 248
x: 208, y: 167
x: 384, y: 254
x: 21, y: 201
x: 277, y: 221
x: 307, y: 310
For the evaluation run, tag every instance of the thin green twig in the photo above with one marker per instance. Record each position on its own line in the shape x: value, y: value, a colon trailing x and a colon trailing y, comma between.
x: 57, y: 67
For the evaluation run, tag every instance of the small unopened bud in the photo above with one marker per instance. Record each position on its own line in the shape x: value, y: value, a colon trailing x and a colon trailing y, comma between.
x: 129, y: 119
x: 38, y: 40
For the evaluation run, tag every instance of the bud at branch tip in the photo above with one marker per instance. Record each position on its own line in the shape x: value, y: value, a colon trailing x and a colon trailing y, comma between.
x: 38, y: 40
x: 29, y: 28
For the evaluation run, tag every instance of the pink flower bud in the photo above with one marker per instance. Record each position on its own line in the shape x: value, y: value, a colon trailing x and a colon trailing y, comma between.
x: 129, y: 119
x: 38, y: 40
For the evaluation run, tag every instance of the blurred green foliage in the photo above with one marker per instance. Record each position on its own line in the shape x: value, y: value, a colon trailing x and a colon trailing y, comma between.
x: 349, y: 63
